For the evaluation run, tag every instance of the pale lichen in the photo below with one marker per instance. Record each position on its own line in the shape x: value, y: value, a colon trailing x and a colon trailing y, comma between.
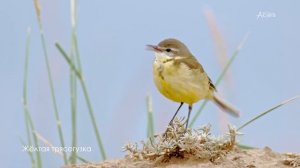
x: 180, y: 143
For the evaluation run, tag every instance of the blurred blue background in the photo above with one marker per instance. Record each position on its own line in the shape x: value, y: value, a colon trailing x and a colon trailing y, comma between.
x: 118, y: 70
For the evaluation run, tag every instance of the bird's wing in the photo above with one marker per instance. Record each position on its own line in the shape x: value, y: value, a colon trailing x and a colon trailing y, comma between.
x: 192, y: 63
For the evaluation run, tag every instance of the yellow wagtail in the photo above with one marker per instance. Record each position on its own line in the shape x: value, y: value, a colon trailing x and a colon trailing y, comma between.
x: 181, y: 78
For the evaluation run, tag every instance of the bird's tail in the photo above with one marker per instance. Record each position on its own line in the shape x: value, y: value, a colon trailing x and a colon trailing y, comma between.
x: 226, y: 107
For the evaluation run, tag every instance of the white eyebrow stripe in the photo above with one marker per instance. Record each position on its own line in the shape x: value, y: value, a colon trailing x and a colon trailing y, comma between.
x: 174, y: 49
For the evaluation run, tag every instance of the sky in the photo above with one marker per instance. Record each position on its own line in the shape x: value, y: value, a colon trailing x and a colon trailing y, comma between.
x: 118, y: 70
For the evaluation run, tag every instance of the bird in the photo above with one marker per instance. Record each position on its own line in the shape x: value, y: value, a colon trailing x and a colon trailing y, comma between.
x: 181, y: 78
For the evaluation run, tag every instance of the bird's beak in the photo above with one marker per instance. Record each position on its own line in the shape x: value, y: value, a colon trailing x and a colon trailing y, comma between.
x: 154, y: 48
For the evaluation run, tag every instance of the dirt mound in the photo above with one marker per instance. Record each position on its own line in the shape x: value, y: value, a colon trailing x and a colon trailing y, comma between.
x: 238, y: 158
x: 179, y: 147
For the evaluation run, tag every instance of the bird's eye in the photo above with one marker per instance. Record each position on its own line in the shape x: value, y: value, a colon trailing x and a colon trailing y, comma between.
x: 168, y: 50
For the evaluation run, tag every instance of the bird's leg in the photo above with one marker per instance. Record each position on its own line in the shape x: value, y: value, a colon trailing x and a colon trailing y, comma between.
x: 188, y: 118
x: 171, y: 122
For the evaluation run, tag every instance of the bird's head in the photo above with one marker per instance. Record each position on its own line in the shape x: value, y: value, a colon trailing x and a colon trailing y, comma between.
x: 170, y: 48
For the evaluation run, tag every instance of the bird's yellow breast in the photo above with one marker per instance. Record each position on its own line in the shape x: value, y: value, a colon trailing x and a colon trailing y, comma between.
x: 178, y: 82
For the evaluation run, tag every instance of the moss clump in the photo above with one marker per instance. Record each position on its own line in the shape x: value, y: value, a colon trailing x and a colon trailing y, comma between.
x: 180, y: 143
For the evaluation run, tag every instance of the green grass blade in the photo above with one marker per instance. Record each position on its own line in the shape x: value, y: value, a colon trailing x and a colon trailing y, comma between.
x: 243, y: 146
x: 35, y: 140
x: 25, y: 104
x: 73, y: 84
x: 268, y: 111
x: 73, y: 96
x: 150, y: 125
x: 87, y: 98
x: 77, y: 51
x: 221, y: 76
x: 69, y: 61
x: 28, y: 122
x: 29, y: 153
x: 43, y: 41
x: 234, y: 55
x: 82, y: 159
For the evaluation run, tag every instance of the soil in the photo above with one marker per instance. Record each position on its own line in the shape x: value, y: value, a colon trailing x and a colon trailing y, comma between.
x: 237, y: 158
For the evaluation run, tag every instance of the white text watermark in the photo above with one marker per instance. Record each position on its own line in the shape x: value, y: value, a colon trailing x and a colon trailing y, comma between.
x: 265, y: 15
x: 27, y: 148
